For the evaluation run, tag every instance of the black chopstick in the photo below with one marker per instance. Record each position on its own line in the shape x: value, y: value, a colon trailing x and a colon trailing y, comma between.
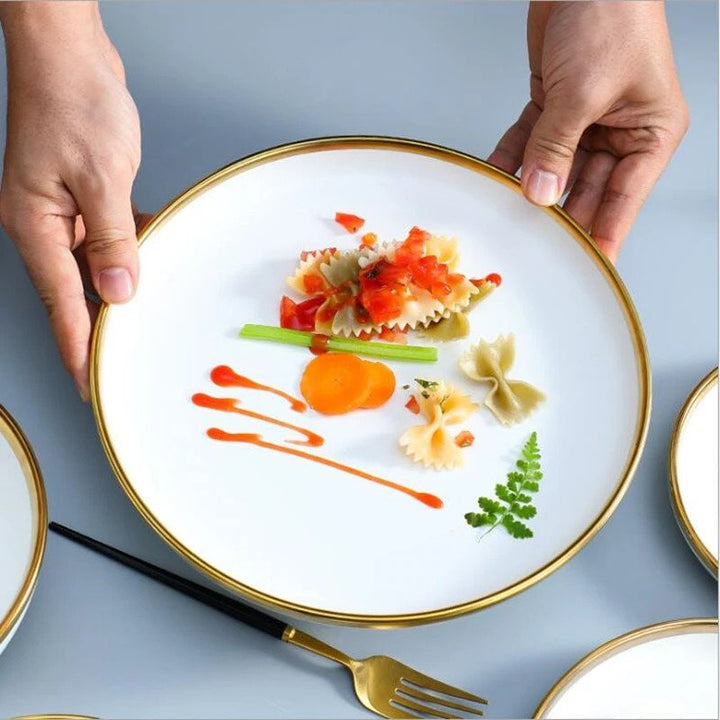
x: 223, y: 603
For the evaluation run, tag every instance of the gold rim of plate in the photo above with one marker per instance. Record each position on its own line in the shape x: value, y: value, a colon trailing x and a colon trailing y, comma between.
x: 685, y: 626
x: 15, y: 437
x: 703, y: 553
x: 470, y: 162
x: 54, y: 716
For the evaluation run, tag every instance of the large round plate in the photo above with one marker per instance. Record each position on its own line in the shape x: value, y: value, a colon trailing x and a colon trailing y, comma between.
x: 694, y: 470
x: 310, y: 540
x: 23, y: 525
x: 669, y: 670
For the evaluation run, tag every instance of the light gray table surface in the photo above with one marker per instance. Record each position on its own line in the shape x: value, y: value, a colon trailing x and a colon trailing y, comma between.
x: 217, y: 81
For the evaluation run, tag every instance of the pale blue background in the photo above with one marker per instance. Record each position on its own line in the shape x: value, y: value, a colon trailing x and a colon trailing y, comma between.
x: 216, y: 81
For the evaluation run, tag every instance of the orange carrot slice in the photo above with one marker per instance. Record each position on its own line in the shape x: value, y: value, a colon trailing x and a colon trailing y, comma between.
x: 335, y: 383
x: 382, y: 384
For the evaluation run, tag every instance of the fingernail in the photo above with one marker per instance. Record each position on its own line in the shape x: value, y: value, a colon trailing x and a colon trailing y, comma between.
x: 543, y: 188
x: 115, y: 285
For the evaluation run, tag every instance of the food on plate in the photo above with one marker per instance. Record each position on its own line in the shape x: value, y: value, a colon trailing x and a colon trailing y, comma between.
x: 392, y: 285
x: 456, y: 325
x: 511, y: 401
x: 513, y: 503
x: 336, y: 383
x: 433, y: 443
x: 352, y: 223
x: 387, y: 351
x: 368, y: 240
x: 382, y: 384
x: 464, y: 439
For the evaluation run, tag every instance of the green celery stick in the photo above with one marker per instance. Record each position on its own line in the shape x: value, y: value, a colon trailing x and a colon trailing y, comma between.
x: 386, y: 351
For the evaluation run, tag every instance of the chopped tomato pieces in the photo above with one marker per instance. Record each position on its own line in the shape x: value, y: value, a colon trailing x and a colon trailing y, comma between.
x: 412, y: 405
x: 299, y: 316
x: 382, y: 306
x: 464, y: 439
x: 313, y: 284
x: 493, y: 278
x: 368, y: 240
x: 352, y: 223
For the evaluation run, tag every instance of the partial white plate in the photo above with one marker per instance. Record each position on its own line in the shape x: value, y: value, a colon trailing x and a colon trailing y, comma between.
x: 669, y: 670
x: 309, y: 540
x: 694, y: 470
x: 23, y: 525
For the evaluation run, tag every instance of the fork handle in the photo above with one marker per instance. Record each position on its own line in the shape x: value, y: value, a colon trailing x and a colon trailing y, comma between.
x: 234, y: 608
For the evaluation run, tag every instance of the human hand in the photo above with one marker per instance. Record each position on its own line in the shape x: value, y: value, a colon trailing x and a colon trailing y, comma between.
x: 72, y: 153
x: 605, y: 116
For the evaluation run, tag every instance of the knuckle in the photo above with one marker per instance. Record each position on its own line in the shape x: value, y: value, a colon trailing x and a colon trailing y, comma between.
x: 107, y: 241
x: 103, y: 175
x: 554, y: 148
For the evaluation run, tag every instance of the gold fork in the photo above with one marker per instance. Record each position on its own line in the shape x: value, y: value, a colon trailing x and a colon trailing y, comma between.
x: 382, y: 684
x: 390, y: 688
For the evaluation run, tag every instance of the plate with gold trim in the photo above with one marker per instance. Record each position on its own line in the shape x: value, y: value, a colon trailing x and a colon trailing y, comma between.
x: 694, y: 471
x: 307, y: 538
x: 23, y: 525
x: 667, y: 670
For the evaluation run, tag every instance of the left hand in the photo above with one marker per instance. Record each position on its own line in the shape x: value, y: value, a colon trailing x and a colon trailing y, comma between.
x: 605, y: 116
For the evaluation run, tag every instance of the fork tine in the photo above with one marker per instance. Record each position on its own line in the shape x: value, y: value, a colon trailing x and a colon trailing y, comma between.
x: 419, y: 695
x: 423, y: 682
x: 412, y: 705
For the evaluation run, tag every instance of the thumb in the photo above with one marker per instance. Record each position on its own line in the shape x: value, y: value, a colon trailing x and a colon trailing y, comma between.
x: 550, y: 151
x: 110, y: 241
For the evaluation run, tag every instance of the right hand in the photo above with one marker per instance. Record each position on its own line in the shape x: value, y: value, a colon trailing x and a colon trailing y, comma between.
x: 72, y: 153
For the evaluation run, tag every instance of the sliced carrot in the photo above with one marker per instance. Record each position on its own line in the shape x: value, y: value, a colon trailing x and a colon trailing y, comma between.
x: 352, y: 223
x: 335, y: 383
x: 382, y: 384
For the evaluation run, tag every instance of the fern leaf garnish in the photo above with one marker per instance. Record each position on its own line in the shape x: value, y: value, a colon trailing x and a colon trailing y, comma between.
x: 514, y: 503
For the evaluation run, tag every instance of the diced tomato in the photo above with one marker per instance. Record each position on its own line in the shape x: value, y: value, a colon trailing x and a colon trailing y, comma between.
x: 352, y: 223
x: 494, y: 278
x: 412, y: 405
x: 464, y: 439
x: 382, y: 305
x: 299, y: 316
x: 306, y: 312
x: 368, y: 240
x: 313, y: 284
x: 384, y: 273
x: 440, y: 290
x: 287, y: 312
x: 305, y: 254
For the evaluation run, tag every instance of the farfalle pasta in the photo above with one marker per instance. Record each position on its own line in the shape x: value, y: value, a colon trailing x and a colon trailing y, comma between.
x: 511, y: 401
x: 433, y: 443
x: 395, y: 285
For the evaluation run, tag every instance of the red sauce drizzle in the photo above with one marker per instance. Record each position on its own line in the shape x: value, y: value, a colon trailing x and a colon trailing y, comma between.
x: 225, y: 376
x: 318, y: 343
x: 230, y: 405
x: 216, y: 434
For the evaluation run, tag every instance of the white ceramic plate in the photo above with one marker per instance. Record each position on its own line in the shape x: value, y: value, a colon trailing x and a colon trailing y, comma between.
x: 669, y: 670
x: 23, y: 526
x: 694, y: 471
x: 308, y: 539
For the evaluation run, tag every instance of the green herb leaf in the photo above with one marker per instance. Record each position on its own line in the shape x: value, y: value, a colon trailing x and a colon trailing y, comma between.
x: 427, y: 384
x: 513, y: 504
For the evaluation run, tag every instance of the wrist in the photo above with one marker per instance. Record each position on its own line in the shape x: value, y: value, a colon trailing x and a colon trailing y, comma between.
x: 38, y: 27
